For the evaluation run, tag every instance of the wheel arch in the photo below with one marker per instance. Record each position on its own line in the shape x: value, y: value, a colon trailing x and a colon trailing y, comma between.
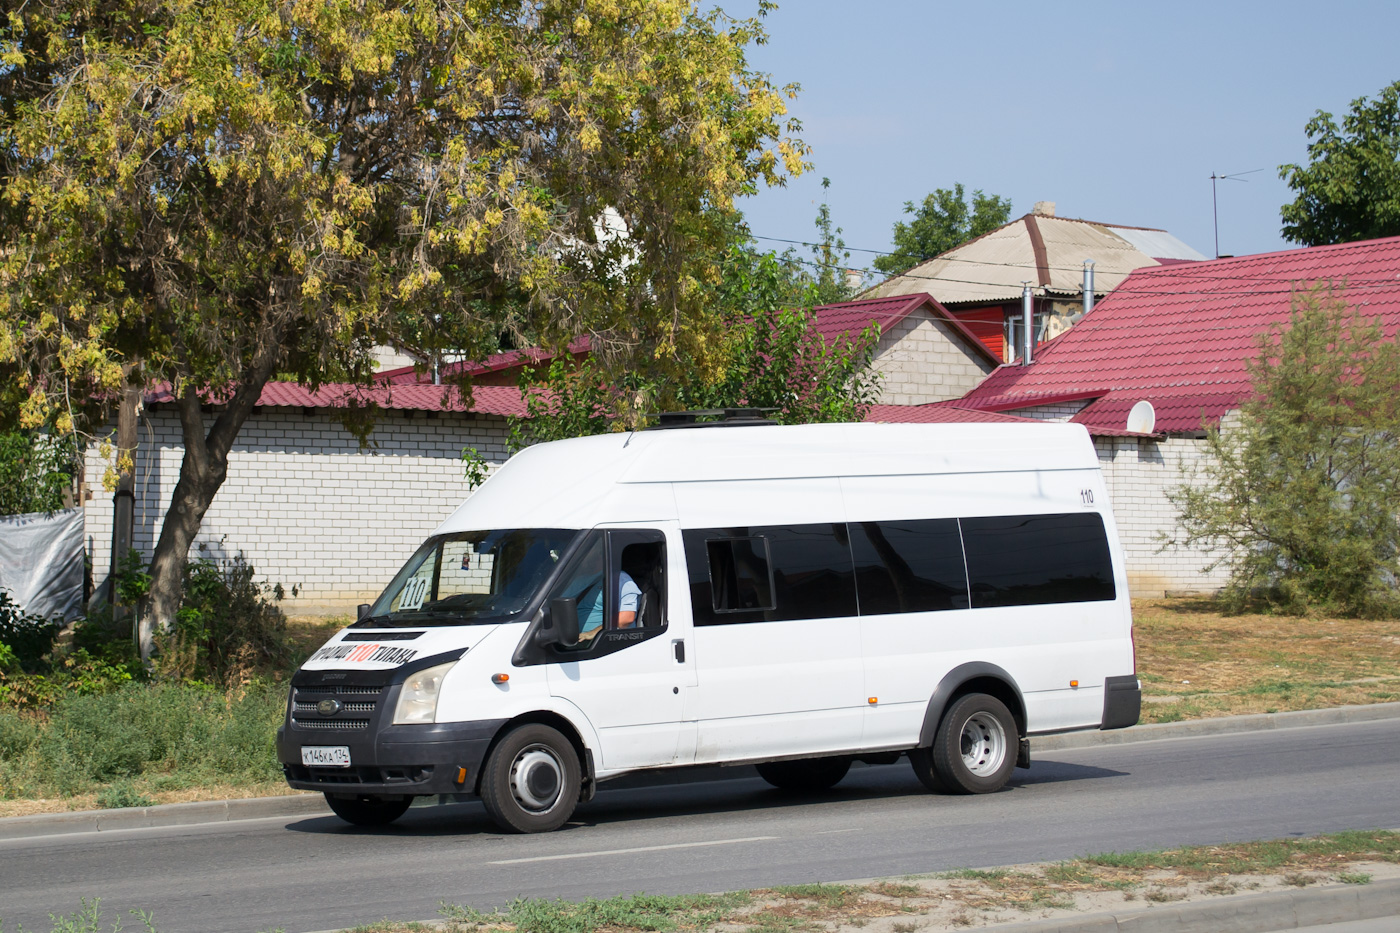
x: 554, y: 720
x: 972, y: 677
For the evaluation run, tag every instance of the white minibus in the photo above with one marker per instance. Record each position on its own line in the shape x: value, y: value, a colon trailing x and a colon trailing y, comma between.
x: 730, y: 592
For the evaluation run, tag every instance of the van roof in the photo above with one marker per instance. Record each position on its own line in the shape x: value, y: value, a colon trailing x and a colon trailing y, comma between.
x: 586, y: 481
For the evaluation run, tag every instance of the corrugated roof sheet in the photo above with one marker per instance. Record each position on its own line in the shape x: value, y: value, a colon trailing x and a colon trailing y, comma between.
x: 1159, y: 244
x: 1180, y: 335
x: 939, y: 413
x: 486, y: 400
x: 849, y: 318
x: 994, y: 266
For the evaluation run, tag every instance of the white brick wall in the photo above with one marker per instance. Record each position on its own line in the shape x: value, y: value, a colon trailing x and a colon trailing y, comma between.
x: 922, y: 359
x: 303, y: 503
x: 1138, y: 473
x: 1060, y: 411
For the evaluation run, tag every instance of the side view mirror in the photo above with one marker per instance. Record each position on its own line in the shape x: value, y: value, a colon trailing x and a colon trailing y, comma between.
x: 563, y: 619
x: 361, y: 611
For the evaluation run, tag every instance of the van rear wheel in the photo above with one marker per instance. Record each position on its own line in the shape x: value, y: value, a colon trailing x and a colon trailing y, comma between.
x: 974, y: 750
x: 531, y: 780
x: 807, y: 774
x: 368, y: 810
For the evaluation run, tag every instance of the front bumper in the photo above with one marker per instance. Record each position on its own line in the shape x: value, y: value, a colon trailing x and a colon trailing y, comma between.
x: 409, y: 759
x: 385, y: 759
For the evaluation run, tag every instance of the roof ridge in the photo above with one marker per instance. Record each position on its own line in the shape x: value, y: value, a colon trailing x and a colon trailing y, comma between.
x: 1197, y: 264
x: 1104, y: 223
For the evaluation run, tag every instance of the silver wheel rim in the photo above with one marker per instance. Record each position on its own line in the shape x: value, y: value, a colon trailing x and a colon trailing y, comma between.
x: 983, y: 744
x: 536, y: 778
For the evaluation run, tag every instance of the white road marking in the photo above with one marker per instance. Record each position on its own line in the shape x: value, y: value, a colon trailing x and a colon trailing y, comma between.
x: 832, y: 832
x: 606, y: 852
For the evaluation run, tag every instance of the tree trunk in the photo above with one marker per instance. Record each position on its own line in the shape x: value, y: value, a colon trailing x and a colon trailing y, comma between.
x: 202, y: 472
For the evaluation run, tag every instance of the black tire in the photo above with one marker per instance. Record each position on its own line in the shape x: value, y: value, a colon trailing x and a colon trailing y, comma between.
x: 531, y: 780
x: 368, y: 811
x: 974, y: 750
x: 805, y: 775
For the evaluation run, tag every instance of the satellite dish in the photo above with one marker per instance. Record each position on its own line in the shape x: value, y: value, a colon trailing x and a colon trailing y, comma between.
x: 1143, y: 418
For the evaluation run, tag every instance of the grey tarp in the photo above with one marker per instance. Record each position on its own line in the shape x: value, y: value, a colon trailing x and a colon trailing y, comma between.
x: 41, y: 562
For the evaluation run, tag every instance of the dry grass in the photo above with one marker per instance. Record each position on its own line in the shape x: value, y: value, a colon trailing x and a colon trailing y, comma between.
x: 1195, y: 662
x: 954, y: 900
x: 307, y: 633
x: 145, y: 789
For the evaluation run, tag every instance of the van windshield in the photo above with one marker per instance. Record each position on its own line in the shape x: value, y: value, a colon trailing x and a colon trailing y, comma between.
x: 471, y: 578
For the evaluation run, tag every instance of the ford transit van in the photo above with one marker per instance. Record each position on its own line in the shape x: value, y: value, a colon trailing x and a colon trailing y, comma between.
x: 797, y: 598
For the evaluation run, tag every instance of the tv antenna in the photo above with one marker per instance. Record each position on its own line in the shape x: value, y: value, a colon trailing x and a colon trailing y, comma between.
x: 1214, y: 204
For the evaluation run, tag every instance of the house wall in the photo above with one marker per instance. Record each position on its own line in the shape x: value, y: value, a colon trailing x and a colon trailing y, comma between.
x: 302, y: 502
x: 1060, y: 411
x: 923, y: 359
x: 1138, y: 473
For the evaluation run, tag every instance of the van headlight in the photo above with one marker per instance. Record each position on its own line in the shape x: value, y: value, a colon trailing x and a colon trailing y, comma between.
x: 419, y: 697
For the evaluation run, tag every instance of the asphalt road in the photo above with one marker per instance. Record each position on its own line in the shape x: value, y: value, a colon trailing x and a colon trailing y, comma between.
x: 318, y: 873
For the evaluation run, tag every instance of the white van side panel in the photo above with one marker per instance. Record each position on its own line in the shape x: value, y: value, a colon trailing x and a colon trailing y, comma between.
x: 773, y: 688
x: 1042, y: 647
x: 757, y: 502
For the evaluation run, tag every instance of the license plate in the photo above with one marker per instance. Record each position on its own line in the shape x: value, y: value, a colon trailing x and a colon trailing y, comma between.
x: 326, y: 756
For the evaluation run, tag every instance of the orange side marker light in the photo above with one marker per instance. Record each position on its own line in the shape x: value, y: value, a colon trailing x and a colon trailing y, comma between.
x: 461, y: 775
x: 872, y: 700
x: 1074, y: 683
x: 499, y: 678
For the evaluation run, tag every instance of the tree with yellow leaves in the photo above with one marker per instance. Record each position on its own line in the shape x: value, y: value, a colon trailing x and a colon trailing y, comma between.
x: 205, y: 194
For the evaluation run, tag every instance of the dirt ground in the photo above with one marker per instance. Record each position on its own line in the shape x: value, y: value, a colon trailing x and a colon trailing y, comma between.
x: 1196, y: 663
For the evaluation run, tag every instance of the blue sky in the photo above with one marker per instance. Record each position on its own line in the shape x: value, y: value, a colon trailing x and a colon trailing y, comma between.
x: 1118, y: 112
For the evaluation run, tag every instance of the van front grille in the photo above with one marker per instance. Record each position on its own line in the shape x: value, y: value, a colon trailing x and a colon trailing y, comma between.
x: 353, y: 715
x: 309, y: 706
x: 340, y: 725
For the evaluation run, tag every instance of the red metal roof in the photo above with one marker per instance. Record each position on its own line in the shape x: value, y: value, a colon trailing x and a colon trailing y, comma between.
x: 938, y: 413
x: 1179, y: 336
x: 849, y: 318
x: 486, y: 400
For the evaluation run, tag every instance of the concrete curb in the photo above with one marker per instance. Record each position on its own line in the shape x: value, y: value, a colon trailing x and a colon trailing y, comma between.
x: 219, y: 811
x: 1223, y: 725
x: 1241, y: 913
x: 167, y: 814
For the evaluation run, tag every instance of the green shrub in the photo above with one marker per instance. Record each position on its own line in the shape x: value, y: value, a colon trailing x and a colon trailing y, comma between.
x: 122, y: 795
x: 1300, y: 499
x: 187, y: 734
x: 228, y: 626
x: 27, y: 637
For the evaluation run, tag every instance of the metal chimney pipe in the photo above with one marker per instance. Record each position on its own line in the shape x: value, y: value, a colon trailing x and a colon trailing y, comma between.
x: 1027, y: 323
x: 1088, y: 285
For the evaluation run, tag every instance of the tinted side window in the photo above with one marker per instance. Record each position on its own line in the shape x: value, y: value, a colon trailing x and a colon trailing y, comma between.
x: 909, y: 566
x: 809, y: 566
x: 741, y: 574
x: 1027, y: 559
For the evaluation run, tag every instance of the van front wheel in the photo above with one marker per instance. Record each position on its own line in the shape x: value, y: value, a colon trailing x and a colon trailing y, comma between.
x: 531, y: 780
x: 367, y: 810
x: 808, y: 774
x: 974, y: 750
